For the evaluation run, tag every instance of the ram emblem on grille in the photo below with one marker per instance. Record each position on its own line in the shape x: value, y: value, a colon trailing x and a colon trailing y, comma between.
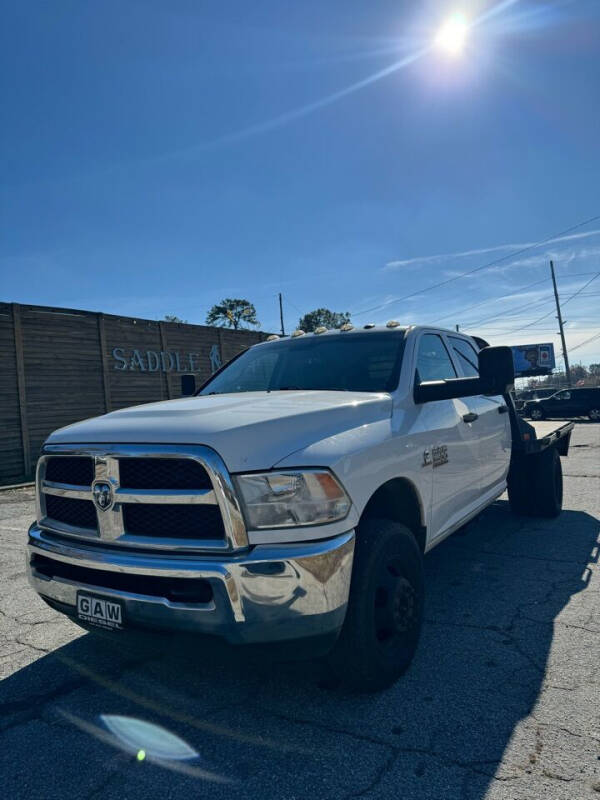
x: 103, y: 495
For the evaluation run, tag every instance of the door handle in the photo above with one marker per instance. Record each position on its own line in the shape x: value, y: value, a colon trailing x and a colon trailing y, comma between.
x: 471, y: 417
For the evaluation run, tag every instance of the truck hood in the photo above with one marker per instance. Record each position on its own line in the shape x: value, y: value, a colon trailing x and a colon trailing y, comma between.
x: 250, y: 431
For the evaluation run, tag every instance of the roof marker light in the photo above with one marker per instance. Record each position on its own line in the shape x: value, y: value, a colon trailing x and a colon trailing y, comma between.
x: 273, y: 338
x: 347, y: 326
x: 393, y: 323
x: 321, y: 329
x: 298, y: 332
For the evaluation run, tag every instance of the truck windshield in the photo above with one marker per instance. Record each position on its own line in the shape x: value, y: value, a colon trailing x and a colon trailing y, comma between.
x: 356, y: 362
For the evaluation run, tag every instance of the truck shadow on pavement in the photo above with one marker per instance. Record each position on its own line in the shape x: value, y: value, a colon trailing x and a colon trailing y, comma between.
x: 163, y: 719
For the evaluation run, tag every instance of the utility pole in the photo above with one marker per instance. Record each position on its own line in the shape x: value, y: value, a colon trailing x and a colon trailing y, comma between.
x: 561, y: 327
x: 458, y: 328
x: 281, y: 314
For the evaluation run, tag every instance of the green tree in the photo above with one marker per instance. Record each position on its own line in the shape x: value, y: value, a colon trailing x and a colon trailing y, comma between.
x: 323, y: 317
x: 232, y: 312
x: 174, y: 318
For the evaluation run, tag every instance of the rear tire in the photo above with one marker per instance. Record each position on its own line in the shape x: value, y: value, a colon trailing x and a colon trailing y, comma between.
x: 594, y: 414
x: 535, y: 484
x: 385, y: 609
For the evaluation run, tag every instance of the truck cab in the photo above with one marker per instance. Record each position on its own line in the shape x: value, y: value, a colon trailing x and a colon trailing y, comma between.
x: 291, y: 498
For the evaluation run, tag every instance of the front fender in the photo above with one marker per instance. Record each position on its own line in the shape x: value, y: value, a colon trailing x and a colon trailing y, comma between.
x: 366, y: 457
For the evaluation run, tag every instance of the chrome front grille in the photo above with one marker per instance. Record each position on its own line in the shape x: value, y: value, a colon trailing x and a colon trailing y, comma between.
x: 71, y: 511
x: 171, y: 520
x: 75, y: 470
x: 179, y: 498
x: 162, y: 473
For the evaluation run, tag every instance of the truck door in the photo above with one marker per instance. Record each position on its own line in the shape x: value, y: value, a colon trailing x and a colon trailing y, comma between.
x: 452, y: 453
x: 491, y: 424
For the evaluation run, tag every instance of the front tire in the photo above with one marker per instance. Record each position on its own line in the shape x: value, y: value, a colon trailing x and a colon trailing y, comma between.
x: 594, y: 414
x: 385, y: 609
x: 537, y: 414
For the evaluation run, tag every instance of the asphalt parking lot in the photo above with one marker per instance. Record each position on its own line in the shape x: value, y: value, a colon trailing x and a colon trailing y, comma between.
x: 501, y: 702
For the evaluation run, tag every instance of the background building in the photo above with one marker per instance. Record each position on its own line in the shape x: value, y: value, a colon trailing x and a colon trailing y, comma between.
x: 60, y: 365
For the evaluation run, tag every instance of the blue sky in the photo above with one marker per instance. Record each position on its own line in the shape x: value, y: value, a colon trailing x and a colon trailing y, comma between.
x: 159, y: 156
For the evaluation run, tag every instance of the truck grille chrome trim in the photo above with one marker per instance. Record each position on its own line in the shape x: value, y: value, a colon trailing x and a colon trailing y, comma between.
x: 107, y: 497
x: 198, y: 496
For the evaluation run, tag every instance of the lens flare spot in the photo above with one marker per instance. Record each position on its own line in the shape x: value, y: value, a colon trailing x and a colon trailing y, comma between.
x: 147, y: 740
x: 452, y: 36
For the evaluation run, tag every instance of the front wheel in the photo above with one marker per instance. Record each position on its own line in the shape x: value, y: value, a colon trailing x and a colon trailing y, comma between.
x: 537, y: 413
x: 594, y: 414
x: 385, y: 609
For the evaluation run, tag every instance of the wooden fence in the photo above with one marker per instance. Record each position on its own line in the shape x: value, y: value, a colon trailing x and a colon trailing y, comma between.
x: 59, y: 365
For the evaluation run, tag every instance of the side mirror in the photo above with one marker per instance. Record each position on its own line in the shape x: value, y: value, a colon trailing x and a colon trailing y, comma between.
x: 188, y: 385
x: 496, y: 370
x: 496, y: 376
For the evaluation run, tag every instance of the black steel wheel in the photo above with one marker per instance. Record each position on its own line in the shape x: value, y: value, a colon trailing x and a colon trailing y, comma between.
x: 385, y: 609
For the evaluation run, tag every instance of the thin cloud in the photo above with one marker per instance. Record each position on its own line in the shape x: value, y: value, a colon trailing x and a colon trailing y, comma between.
x: 499, y: 248
x: 564, y: 259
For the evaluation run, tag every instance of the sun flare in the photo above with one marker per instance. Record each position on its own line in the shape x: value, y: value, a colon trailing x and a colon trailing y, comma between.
x: 452, y: 35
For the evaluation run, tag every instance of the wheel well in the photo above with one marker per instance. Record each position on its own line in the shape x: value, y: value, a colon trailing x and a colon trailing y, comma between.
x: 398, y: 500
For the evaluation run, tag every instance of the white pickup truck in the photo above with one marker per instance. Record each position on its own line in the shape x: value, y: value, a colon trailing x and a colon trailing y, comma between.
x: 293, y: 497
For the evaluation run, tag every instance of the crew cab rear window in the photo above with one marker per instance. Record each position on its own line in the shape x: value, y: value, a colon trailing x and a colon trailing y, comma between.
x: 467, y: 356
x: 433, y: 360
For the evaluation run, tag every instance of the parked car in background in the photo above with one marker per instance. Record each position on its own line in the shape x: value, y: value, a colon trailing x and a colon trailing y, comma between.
x: 533, y: 394
x: 584, y: 402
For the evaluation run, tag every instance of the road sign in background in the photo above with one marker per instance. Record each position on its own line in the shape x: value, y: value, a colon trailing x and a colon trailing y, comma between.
x: 533, y: 359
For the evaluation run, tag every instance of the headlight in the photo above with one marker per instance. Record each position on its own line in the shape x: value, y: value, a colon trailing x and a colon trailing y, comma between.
x: 291, y: 498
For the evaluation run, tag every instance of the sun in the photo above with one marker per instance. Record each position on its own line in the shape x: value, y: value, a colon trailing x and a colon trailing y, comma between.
x: 452, y: 35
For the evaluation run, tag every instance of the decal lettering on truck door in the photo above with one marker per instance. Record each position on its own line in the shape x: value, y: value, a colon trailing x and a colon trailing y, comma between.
x: 440, y: 455
x: 436, y: 456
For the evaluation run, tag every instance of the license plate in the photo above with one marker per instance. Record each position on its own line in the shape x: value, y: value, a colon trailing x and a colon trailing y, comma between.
x: 99, y: 611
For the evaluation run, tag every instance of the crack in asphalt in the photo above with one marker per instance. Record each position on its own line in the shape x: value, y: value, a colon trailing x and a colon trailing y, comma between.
x: 395, y: 749
x: 34, y: 706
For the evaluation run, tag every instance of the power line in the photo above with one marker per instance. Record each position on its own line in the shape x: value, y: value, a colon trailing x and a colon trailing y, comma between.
x: 511, y: 311
x: 540, y: 301
x: 586, y: 341
x: 483, y: 266
x: 513, y: 293
x: 545, y: 316
x: 490, y: 299
x: 585, y: 285
x: 293, y: 305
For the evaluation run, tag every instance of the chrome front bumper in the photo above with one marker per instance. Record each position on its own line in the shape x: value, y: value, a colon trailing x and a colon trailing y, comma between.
x: 269, y: 593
